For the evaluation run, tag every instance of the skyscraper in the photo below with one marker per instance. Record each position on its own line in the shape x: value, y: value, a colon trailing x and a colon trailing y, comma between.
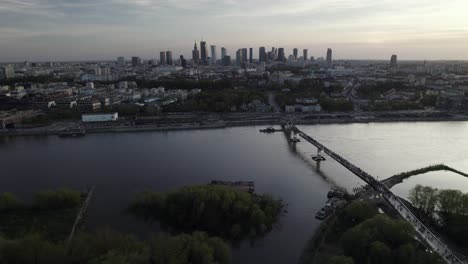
x: 162, y: 57
x: 136, y: 61
x: 393, y: 61
x: 8, y: 72
x: 250, y: 55
x: 262, y: 56
x: 204, y: 52
x: 227, y: 60
x: 305, y: 55
x: 239, y: 57
x: 244, y: 55
x: 329, y: 58
x: 183, y: 62
x: 169, y: 57
x: 195, y: 54
x: 295, y: 51
x: 214, y: 58
x: 281, y: 56
x: 121, y: 61
x: 223, y: 52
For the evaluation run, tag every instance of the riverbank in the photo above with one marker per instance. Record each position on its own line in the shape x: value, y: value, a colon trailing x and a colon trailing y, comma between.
x: 267, y: 120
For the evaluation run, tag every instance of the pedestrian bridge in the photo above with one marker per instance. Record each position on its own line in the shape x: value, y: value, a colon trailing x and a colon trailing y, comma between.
x: 423, y: 232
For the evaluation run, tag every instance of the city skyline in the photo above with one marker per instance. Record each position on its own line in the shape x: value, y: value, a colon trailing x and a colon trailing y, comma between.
x: 39, y: 30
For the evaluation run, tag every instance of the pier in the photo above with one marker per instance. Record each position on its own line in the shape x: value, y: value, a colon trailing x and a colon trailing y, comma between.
x: 80, y: 215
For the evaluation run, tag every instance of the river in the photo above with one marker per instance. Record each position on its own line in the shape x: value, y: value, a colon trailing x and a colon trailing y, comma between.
x: 122, y: 164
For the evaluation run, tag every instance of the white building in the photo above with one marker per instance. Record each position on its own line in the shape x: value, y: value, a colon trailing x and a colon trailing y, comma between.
x: 102, y: 117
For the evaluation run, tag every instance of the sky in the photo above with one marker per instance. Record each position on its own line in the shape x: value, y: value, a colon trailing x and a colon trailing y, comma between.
x: 50, y: 30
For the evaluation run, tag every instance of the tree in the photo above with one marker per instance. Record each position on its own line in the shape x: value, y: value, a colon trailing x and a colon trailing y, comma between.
x: 379, y: 253
x: 57, y: 199
x: 8, y: 201
x: 220, y: 210
x: 416, y: 196
x: 340, y: 260
x: 405, y: 254
x: 33, y: 249
x: 355, y: 243
x: 450, y: 201
x: 430, y: 200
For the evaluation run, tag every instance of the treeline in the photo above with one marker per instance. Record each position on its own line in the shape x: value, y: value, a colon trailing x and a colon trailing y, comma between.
x: 35, y: 79
x: 217, y: 101
x: 51, y: 214
x: 110, y: 247
x: 446, y: 209
x: 184, y: 83
x: 218, y: 210
x: 359, y: 234
x: 45, y: 200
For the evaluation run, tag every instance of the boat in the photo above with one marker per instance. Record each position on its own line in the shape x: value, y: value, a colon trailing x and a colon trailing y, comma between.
x: 73, y: 132
x: 336, y: 193
x: 268, y: 130
x: 294, y: 140
x: 246, y: 186
x: 325, y: 212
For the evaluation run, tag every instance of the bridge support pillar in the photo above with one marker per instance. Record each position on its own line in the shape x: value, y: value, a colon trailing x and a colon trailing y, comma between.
x: 319, y: 156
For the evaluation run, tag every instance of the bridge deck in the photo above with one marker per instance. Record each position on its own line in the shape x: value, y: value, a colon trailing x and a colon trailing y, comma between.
x: 422, y: 231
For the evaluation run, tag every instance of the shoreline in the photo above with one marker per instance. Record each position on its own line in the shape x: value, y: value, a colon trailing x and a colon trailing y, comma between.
x: 220, y: 125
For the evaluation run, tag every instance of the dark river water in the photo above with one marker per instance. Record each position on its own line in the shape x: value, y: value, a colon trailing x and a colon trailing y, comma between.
x: 121, y: 165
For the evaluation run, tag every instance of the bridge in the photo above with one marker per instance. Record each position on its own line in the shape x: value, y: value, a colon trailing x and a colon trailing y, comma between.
x: 423, y: 232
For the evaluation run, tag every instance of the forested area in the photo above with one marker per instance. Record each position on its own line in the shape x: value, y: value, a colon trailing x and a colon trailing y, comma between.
x: 222, y: 100
x: 447, y: 210
x: 110, y: 247
x: 38, y: 233
x: 51, y: 214
x: 359, y: 234
x: 218, y: 210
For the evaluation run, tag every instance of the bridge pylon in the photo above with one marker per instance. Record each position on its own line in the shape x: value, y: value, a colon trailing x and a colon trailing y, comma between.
x: 319, y: 156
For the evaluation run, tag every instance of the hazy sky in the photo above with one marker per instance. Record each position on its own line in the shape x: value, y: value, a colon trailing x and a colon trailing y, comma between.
x: 354, y: 29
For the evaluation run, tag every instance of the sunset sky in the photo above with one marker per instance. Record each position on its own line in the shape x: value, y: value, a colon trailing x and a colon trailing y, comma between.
x: 360, y: 29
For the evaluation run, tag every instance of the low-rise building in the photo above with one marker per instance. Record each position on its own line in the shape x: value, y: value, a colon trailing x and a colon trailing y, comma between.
x: 100, y: 117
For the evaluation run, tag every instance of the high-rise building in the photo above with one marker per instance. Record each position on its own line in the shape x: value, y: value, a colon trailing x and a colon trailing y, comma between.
x: 223, y: 52
x: 262, y: 55
x: 281, y: 56
x: 136, y: 61
x: 183, y: 62
x: 195, y: 54
x: 162, y: 57
x: 244, y: 55
x: 227, y: 60
x: 393, y: 61
x: 239, y: 57
x: 329, y: 58
x: 203, y: 52
x: 214, y: 58
x: 169, y: 57
x: 295, y: 51
x: 121, y: 61
x: 250, y: 55
x: 105, y: 71
x: 305, y: 54
x: 97, y: 71
x: 8, y: 72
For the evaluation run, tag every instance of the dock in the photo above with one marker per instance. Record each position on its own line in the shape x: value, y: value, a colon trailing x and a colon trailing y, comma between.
x: 245, y: 186
x: 270, y: 130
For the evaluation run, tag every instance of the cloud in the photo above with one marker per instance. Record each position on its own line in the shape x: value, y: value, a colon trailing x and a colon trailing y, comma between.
x: 152, y: 24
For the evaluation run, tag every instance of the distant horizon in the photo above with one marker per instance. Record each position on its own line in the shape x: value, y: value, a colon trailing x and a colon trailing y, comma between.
x: 68, y: 30
x: 128, y: 59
